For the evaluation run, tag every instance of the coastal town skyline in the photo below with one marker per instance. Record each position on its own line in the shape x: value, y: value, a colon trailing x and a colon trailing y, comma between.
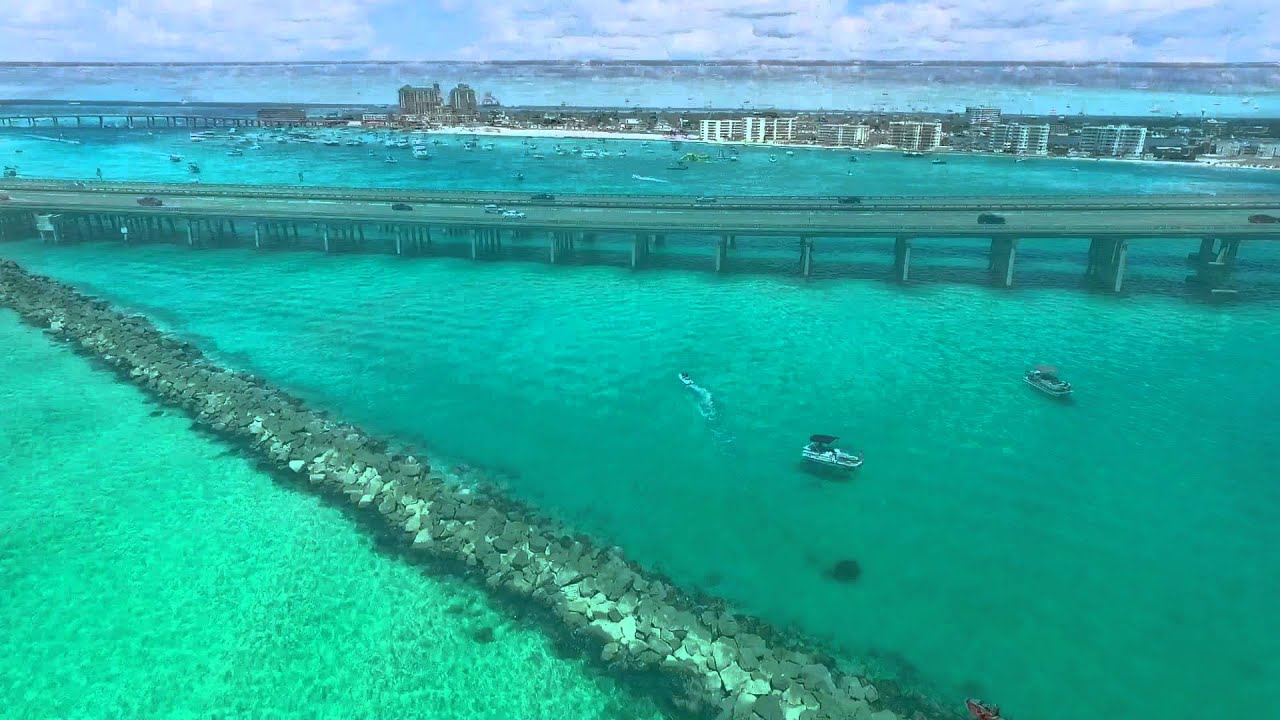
x: 1089, y: 30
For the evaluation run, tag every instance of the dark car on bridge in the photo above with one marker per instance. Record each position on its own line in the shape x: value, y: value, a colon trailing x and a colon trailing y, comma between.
x: 150, y: 201
x: 705, y: 200
x: 542, y: 196
x: 402, y: 206
x: 849, y: 200
x: 990, y: 219
x: 1264, y: 219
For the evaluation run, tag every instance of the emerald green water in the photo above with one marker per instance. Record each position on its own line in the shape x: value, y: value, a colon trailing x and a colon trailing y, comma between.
x: 146, y: 573
x: 1110, y: 556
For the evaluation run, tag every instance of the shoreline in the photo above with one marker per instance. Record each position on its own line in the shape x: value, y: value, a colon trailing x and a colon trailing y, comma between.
x: 707, y: 659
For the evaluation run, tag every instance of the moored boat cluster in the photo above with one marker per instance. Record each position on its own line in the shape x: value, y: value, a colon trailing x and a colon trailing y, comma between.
x: 719, y: 664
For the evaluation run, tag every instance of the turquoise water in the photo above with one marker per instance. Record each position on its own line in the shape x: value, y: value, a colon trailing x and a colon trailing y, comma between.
x: 137, y: 155
x: 1112, y: 556
x: 148, y: 574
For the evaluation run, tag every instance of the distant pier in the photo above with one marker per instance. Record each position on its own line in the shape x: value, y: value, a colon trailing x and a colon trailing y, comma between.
x: 119, y: 120
x: 458, y: 223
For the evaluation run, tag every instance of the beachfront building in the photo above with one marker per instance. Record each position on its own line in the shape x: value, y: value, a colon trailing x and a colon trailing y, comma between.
x: 1113, y: 140
x: 425, y: 102
x: 769, y: 129
x: 462, y: 100
x: 1020, y: 139
x: 721, y: 130
x: 915, y: 135
x: 1269, y: 149
x: 843, y: 134
x: 982, y: 115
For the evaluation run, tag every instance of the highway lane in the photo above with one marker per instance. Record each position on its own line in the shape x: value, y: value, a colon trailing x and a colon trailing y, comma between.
x: 707, y: 220
x: 1242, y: 201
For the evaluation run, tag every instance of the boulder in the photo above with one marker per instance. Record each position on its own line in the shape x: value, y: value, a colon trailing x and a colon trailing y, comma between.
x: 413, y: 524
x: 733, y: 677
x: 768, y: 707
x: 422, y: 539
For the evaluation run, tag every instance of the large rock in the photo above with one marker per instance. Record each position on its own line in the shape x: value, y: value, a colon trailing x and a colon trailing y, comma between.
x: 768, y: 707
x: 733, y: 677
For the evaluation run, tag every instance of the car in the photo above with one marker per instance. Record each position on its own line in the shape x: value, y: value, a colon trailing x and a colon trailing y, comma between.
x: 512, y: 214
x: 493, y: 209
x: 1264, y: 219
x: 150, y: 201
x: 542, y: 196
x: 705, y: 199
x: 990, y: 219
x: 402, y: 206
x: 849, y: 200
x: 4, y: 196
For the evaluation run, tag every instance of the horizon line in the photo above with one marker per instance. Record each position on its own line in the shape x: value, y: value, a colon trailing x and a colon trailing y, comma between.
x: 958, y: 63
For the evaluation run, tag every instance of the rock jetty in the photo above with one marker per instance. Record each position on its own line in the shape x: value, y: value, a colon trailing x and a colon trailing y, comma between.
x: 715, y: 663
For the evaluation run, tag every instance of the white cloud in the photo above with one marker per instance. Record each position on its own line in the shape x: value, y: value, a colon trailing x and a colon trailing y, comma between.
x: 825, y: 29
x: 186, y: 30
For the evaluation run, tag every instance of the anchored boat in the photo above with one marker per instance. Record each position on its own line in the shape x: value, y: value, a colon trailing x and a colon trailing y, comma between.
x: 820, y: 450
x: 1045, y: 379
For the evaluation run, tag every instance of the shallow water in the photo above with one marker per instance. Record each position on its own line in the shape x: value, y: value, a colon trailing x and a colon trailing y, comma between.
x: 1108, y: 556
x: 147, y: 573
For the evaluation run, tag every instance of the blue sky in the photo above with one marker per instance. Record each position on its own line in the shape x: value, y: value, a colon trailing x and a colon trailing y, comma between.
x: 247, y: 30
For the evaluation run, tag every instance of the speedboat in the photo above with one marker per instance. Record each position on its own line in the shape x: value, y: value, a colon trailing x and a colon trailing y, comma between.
x: 820, y: 450
x: 684, y: 378
x: 982, y: 711
x: 194, y: 168
x: 1045, y: 379
x: 175, y: 158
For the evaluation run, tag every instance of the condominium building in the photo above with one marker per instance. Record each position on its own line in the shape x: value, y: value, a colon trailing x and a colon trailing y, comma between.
x: 421, y: 101
x: 843, y: 134
x: 1020, y: 139
x: 1113, y: 140
x: 721, y: 130
x: 769, y: 129
x: 915, y: 135
x: 982, y: 115
x: 462, y: 100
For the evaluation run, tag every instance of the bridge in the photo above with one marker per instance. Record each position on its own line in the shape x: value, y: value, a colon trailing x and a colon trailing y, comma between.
x: 127, y: 120
x: 348, y: 218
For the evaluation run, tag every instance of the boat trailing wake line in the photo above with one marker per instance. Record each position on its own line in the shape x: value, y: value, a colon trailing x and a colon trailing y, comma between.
x: 53, y: 139
x: 707, y: 408
x: 646, y: 178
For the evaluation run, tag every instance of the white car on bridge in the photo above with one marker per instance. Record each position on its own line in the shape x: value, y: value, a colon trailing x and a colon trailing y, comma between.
x: 512, y: 214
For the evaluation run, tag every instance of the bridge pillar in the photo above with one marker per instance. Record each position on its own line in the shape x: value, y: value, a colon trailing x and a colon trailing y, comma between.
x: 399, y: 232
x: 722, y: 251
x: 639, y: 249
x: 1107, y: 259
x: 326, y: 238
x: 257, y: 236
x: 1214, y: 263
x: 1003, y: 252
x: 191, y: 233
x: 806, y: 256
x: 659, y: 240
x: 902, y: 258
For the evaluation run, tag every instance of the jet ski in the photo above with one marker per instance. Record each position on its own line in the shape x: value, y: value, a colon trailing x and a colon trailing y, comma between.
x: 684, y: 378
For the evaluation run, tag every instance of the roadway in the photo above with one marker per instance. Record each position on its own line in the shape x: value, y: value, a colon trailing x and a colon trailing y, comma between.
x: 858, y: 221
x: 1254, y: 201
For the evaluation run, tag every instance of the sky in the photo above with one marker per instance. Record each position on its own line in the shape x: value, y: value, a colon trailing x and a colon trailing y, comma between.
x: 283, y: 30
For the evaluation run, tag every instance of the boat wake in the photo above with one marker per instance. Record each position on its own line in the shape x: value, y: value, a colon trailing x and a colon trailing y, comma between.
x: 53, y: 139
x: 706, y: 407
x: 646, y: 178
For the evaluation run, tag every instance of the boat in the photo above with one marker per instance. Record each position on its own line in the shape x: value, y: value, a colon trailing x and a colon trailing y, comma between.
x: 982, y: 711
x: 389, y: 159
x: 684, y: 378
x: 820, y: 450
x: 1045, y: 379
x: 194, y: 168
x: 235, y: 152
x: 773, y: 158
x: 678, y: 166
x: 938, y: 161
x: 175, y: 158
x: 913, y: 154
x: 421, y: 153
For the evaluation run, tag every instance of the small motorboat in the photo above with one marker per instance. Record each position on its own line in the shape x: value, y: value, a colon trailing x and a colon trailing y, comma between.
x: 1045, y: 379
x: 194, y: 168
x: 982, y: 711
x: 939, y: 161
x: 684, y: 378
x: 820, y: 450
x: 175, y: 158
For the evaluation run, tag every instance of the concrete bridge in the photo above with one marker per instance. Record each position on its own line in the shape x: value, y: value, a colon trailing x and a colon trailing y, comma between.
x: 123, y: 120
x: 337, y: 219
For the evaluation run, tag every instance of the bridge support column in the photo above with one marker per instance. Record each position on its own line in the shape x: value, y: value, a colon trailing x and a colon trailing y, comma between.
x: 399, y: 231
x: 1003, y: 252
x: 659, y: 240
x: 902, y: 258
x: 722, y: 251
x: 1214, y: 263
x: 806, y: 256
x: 639, y: 249
x: 257, y: 236
x: 191, y: 233
x: 326, y: 238
x: 1107, y: 258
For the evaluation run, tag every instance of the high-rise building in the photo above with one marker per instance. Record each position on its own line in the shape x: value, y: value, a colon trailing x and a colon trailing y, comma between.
x: 769, y: 129
x: 843, y: 134
x: 422, y: 101
x: 720, y: 130
x: 462, y: 100
x: 915, y: 135
x: 1020, y: 139
x: 982, y: 115
x: 1113, y: 140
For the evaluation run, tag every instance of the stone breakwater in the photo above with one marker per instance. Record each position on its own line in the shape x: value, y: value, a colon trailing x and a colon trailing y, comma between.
x: 715, y: 663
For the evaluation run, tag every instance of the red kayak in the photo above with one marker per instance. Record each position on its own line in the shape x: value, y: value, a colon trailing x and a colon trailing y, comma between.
x: 981, y: 710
